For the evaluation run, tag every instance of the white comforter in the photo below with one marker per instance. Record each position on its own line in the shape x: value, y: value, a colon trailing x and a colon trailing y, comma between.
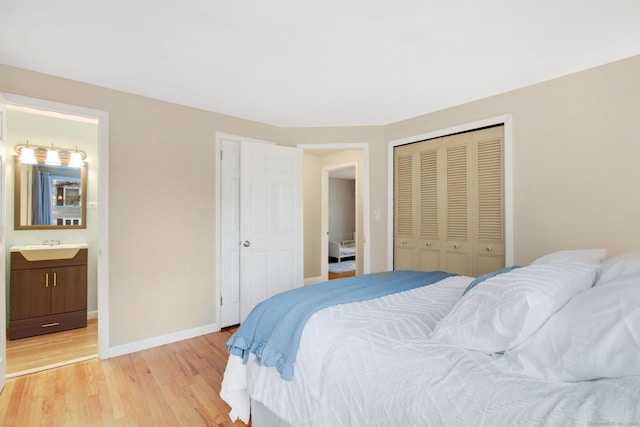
x: 371, y: 364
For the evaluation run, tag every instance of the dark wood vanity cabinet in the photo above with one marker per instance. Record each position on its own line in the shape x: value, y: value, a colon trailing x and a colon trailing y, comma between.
x: 47, y: 296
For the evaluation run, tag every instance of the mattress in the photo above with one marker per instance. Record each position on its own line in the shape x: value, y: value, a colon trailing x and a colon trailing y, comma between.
x: 371, y: 364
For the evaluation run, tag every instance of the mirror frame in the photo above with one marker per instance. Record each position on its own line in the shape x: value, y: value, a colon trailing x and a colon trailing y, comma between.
x: 17, y: 202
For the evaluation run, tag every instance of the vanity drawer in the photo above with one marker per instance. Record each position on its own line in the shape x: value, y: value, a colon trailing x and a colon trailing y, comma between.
x: 47, y: 324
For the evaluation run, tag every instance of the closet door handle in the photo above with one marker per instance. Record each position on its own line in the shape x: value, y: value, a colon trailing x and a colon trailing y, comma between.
x: 46, y: 280
x: 246, y: 243
x: 55, y: 279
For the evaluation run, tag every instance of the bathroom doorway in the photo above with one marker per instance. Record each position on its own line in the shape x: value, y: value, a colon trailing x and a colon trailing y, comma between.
x: 44, y: 123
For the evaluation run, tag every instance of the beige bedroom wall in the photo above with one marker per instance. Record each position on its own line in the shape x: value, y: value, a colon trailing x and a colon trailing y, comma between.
x: 162, y: 207
x: 576, y: 146
x: 312, y: 208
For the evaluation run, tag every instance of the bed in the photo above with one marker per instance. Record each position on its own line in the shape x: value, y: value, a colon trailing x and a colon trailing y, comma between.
x: 345, y: 249
x: 552, y: 343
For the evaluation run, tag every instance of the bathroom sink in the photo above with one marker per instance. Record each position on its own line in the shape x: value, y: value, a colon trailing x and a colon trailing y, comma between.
x: 46, y: 252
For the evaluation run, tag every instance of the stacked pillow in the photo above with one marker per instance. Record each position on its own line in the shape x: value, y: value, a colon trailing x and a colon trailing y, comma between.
x: 504, y: 310
x: 595, y: 334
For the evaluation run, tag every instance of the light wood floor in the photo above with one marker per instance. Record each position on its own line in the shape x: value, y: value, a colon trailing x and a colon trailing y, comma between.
x: 33, y: 354
x: 172, y: 385
x: 341, y: 275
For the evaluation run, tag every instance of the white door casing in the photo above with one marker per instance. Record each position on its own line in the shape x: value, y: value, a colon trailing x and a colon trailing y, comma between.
x: 271, y: 251
x: 3, y: 201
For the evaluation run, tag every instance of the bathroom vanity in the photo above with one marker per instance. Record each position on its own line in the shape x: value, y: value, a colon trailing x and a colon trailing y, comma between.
x: 48, y: 291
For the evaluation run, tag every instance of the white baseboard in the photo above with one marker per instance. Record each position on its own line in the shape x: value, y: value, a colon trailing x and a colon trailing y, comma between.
x: 92, y: 314
x: 123, y: 349
x: 313, y: 280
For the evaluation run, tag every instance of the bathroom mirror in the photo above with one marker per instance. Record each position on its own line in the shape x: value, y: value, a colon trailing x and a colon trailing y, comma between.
x: 50, y: 197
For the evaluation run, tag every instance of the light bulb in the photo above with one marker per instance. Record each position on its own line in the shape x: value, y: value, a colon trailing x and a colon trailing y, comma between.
x: 27, y: 156
x: 52, y: 158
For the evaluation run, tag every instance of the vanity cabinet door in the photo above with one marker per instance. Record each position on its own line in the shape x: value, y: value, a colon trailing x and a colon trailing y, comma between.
x: 30, y: 293
x: 69, y: 290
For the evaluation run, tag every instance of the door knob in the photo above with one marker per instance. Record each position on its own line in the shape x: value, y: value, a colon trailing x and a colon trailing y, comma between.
x: 246, y: 243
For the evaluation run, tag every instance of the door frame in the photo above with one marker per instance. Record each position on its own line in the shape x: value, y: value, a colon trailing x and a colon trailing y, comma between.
x: 508, y: 177
x: 103, y: 202
x: 366, y: 227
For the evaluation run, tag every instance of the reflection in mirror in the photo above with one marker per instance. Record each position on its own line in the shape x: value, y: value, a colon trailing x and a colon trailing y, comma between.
x: 49, y: 196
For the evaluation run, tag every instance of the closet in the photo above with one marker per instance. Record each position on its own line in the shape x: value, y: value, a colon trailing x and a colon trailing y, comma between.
x: 449, y: 203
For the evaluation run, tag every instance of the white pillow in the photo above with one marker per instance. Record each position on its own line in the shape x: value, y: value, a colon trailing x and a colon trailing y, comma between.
x: 505, y: 310
x: 594, y: 256
x: 597, y: 334
x: 613, y: 269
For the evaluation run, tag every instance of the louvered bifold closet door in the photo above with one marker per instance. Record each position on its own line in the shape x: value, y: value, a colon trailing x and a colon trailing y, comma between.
x: 404, y: 208
x: 489, y: 247
x: 449, y: 203
x: 429, y: 244
x: 457, y: 247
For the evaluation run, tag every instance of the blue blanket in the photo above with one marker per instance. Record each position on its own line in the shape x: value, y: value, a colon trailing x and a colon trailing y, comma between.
x: 273, y: 329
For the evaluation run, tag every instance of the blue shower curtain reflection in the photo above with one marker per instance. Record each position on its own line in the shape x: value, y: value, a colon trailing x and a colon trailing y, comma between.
x: 42, y: 209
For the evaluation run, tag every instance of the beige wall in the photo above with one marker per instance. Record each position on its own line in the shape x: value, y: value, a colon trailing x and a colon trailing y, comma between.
x: 576, y: 145
x: 312, y: 208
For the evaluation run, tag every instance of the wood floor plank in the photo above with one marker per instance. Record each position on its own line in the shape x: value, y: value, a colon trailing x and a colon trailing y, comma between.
x: 31, y: 354
x: 172, y: 385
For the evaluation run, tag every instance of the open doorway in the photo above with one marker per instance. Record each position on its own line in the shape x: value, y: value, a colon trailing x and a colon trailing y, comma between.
x: 342, y: 219
x: 70, y: 128
x: 319, y: 161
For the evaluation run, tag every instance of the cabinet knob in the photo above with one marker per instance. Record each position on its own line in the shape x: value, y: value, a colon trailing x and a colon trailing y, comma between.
x: 428, y: 243
x: 489, y: 248
x: 456, y: 246
x: 404, y: 242
x: 246, y: 243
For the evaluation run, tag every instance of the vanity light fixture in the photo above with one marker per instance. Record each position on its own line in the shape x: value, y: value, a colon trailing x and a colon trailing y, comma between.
x: 27, y: 155
x: 32, y: 154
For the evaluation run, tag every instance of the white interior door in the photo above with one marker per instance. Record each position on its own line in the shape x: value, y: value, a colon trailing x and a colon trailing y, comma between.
x: 270, y: 222
x: 230, y: 233
x: 3, y: 208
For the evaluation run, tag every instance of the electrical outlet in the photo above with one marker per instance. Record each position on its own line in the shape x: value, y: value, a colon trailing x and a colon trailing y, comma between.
x: 92, y: 205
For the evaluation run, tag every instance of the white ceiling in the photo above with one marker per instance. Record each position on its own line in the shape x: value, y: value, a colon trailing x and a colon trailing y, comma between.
x: 316, y: 63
